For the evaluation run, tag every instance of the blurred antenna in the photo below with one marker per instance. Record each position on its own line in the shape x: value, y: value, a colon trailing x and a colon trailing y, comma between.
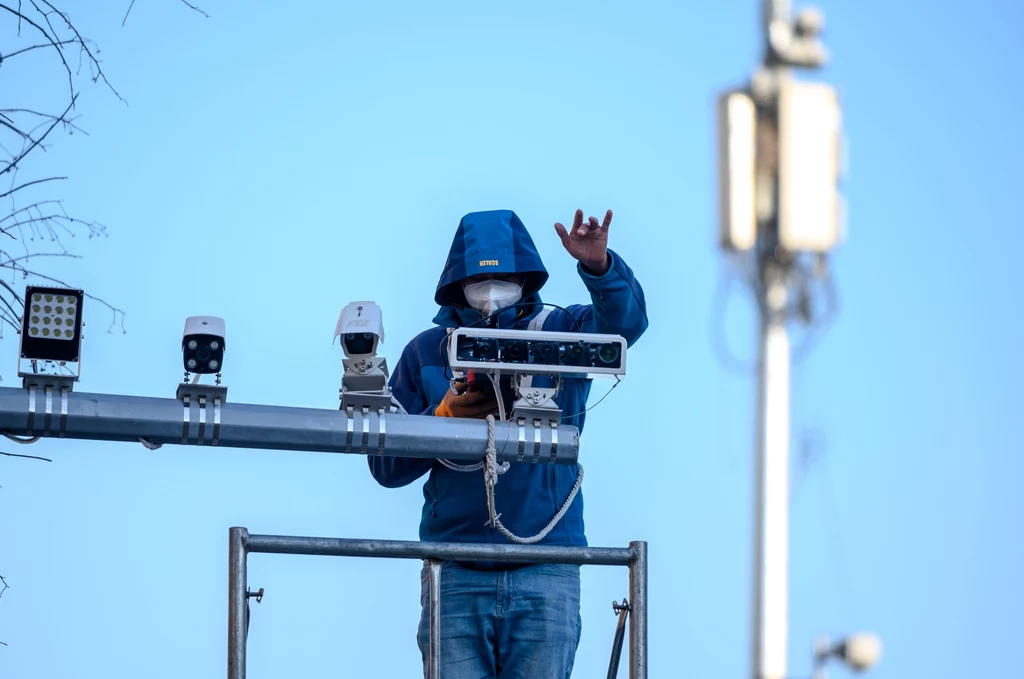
x: 780, y: 216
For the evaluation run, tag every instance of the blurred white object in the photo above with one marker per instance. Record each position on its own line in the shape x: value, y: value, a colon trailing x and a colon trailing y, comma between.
x: 810, y: 143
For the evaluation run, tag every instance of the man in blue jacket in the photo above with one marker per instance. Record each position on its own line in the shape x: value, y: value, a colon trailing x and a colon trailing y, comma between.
x: 501, y: 620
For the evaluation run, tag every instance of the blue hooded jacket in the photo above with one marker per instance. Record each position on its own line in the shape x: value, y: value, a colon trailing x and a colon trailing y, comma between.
x: 528, y: 495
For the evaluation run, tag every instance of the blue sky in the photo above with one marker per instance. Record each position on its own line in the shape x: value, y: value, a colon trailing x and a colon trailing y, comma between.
x: 274, y: 164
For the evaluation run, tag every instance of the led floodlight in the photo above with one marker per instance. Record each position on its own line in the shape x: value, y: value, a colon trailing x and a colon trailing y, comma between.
x: 537, y: 352
x: 51, y: 327
x: 202, y: 345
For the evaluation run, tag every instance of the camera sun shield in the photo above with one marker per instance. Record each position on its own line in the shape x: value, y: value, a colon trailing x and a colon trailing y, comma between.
x: 536, y: 352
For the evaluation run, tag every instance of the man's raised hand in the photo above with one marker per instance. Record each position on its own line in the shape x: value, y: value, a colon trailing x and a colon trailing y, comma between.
x: 587, y: 242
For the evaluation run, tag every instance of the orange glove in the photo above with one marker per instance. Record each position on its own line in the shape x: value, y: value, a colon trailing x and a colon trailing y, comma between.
x: 473, y: 404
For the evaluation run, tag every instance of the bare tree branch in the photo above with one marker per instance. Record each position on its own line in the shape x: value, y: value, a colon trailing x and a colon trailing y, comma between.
x: 31, y: 183
x: 49, y: 38
x: 38, y: 223
x: 36, y: 142
x: 8, y: 57
x: 29, y: 457
x: 84, y: 44
x: 189, y: 4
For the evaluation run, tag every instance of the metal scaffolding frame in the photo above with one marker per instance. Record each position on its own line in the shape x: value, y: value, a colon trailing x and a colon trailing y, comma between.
x: 241, y: 543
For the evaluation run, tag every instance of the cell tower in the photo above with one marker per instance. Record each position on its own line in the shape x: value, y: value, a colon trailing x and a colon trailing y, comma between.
x: 781, y: 213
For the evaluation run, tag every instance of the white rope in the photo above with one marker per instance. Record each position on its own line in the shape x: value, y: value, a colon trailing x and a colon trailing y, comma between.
x: 491, y: 480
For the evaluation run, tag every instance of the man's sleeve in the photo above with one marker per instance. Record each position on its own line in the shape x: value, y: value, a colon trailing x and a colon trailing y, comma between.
x: 406, y: 387
x: 618, y: 307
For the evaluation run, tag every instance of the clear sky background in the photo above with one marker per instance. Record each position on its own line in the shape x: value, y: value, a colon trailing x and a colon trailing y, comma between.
x: 278, y: 161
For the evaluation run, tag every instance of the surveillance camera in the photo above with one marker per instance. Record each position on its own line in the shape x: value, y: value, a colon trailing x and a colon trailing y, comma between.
x: 360, y: 328
x: 537, y: 352
x: 202, y: 345
x: 862, y: 651
x: 810, y: 22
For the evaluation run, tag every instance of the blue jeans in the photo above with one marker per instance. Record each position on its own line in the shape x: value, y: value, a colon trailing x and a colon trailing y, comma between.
x: 521, y: 623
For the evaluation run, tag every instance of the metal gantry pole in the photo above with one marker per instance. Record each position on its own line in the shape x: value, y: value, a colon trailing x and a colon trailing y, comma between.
x: 201, y: 416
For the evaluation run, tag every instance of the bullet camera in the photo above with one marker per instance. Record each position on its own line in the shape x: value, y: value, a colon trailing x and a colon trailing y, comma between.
x: 202, y: 345
x: 361, y: 328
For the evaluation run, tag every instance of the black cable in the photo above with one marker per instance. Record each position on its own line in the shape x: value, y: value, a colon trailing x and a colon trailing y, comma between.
x: 817, y: 325
x: 522, y: 304
x: 718, y: 339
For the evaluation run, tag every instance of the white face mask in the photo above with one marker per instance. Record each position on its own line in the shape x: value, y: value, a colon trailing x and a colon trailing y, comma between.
x: 489, y: 296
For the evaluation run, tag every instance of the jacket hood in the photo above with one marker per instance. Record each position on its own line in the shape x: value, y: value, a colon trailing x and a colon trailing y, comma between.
x: 494, y: 241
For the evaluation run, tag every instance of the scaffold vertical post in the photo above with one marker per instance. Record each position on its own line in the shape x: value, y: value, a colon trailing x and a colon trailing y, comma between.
x: 638, y: 614
x: 238, y: 602
x: 435, y: 619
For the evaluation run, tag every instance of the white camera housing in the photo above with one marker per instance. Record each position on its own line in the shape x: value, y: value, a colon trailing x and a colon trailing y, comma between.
x: 361, y: 329
x: 204, y: 325
x: 202, y: 344
x: 589, y: 363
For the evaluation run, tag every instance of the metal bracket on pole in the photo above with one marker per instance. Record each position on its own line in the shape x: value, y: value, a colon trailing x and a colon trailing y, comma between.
x: 62, y: 384
x: 535, y: 410
x: 365, y: 392
x: 371, y: 409
x: 201, y: 394
x: 622, y: 610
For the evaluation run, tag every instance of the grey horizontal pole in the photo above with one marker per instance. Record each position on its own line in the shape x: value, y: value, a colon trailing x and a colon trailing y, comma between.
x: 208, y: 420
x: 441, y: 551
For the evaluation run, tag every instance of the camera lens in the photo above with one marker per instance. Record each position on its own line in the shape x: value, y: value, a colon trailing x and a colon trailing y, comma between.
x: 544, y: 353
x: 576, y: 354
x: 203, y: 354
x: 608, y: 353
x: 361, y: 343
x: 515, y: 351
x: 486, y: 349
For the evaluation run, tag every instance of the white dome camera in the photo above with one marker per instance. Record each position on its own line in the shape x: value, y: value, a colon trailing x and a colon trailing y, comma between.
x: 862, y: 651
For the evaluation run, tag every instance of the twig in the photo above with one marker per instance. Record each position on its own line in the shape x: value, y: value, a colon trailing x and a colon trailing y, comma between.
x: 42, y: 30
x: 30, y: 457
x: 195, y: 8
x: 190, y: 5
x: 35, y: 181
x: 123, y: 21
x: 38, y: 141
x: 6, y: 57
x: 82, y: 42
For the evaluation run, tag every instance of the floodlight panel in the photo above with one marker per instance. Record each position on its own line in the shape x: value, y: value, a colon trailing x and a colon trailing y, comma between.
x: 810, y: 142
x: 52, y: 324
x: 737, y: 124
